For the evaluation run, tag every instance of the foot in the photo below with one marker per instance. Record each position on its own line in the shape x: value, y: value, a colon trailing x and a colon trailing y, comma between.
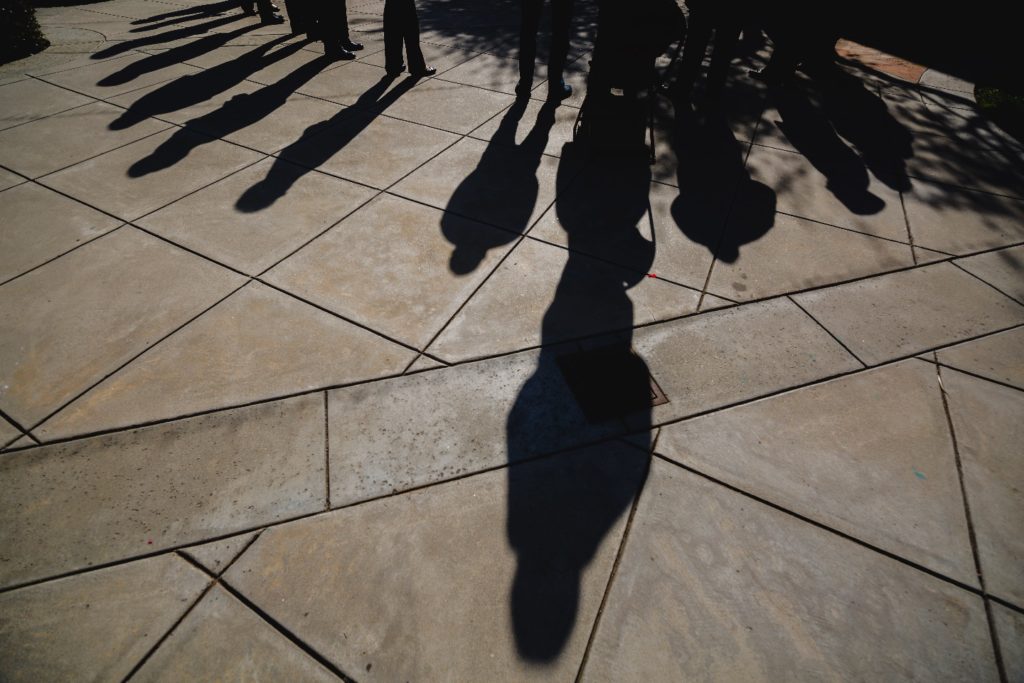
x: 559, y: 91
x: 249, y: 11
x: 424, y: 72
x: 271, y: 19
x: 523, y: 87
x: 351, y: 46
x: 393, y: 71
x: 336, y: 51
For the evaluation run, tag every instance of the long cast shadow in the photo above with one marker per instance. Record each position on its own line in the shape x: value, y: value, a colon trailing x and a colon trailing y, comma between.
x: 504, y: 183
x: 166, y: 36
x: 237, y: 113
x: 560, y: 510
x: 200, y: 87
x: 331, y: 136
x: 174, y: 55
x: 187, y: 14
x: 719, y: 205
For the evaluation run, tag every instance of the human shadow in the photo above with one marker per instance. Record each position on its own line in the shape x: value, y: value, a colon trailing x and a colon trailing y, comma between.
x: 174, y: 55
x: 560, y: 510
x: 503, y: 184
x: 165, y: 37
x: 238, y: 113
x: 719, y: 205
x: 331, y: 137
x: 204, y: 85
x: 186, y: 14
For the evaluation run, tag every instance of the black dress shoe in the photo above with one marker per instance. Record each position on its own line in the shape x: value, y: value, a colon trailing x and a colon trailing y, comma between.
x: 559, y: 91
x: 336, y: 51
x: 424, y: 72
x: 351, y: 46
x: 393, y: 71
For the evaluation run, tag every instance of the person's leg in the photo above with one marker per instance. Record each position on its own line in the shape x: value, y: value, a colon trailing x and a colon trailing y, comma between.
x: 561, y: 23
x: 393, y: 37
x: 696, y: 44
x: 267, y: 13
x: 531, y: 10
x: 727, y: 36
x: 411, y: 30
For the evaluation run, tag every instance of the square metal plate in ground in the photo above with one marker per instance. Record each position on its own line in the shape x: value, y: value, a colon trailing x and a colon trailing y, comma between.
x: 610, y: 382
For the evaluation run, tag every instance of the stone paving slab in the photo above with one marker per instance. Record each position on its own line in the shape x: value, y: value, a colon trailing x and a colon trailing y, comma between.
x: 23, y: 442
x: 478, y: 539
x: 353, y: 145
x: 441, y: 57
x: 222, y: 639
x: 9, y: 179
x: 289, y: 345
x: 986, y: 419
x: 89, y: 80
x: 871, y: 456
x: 64, y: 139
x: 40, y: 224
x: 1003, y: 269
x: 390, y: 266
x: 210, y: 222
x: 827, y: 255
x: 737, y: 354
x: 575, y: 294
x: 100, y: 182
x: 1010, y: 627
x: 108, y: 498
x: 999, y: 357
x: 493, y: 73
x: 904, y: 313
x: 32, y: 99
x: 73, y: 321
x: 407, y: 432
x: 713, y: 585
x: 959, y: 221
x: 8, y: 433
x: 513, y: 128
x: 97, y: 625
x: 942, y: 160
x: 215, y: 556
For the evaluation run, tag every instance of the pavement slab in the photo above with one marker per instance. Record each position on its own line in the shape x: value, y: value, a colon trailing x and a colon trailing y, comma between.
x: 8, y: 433
x: 441, y: 57
x: 355, y: 145
x: 942, y: 160
x: 40, y: 224
x: 713, y: 585
x: 958, y: 221
x: 574, y: 295
x: 999, y: 357
x: 904, y: 313
x: 97, y: 625
x: 146, y: 175
x: 419, y: 429
x: 725, y: 357
x: 448, y: 106
x: 766, y: 267
x: 75, y: 320
x: 9, y: 179
x: 215, y: 556
x: 392, y: 265
x: 493, y: 73
x: 32, y: 99
x: 838, y: 191
x: 871, y: 456
x: 513, y: 128
x: 1003, y: 269
x: 64, y: 139
x: 487, y: 182
x: 104, y: 79
x: 289, y: 347
x: 986, y: 420
x: 527, y: 550
x: 222, y: 639
x: 1010, y: 630
x: 210, y: 222
x: 108, y: 498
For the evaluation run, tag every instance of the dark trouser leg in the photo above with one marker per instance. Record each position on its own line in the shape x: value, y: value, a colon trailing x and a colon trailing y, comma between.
x: 334, y: 26
x: 247, y: 6
x: 265, y: 8
x: 528, y: 38
x: 411, y: 29
x: 392, y: 35
x: 561, y: 21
